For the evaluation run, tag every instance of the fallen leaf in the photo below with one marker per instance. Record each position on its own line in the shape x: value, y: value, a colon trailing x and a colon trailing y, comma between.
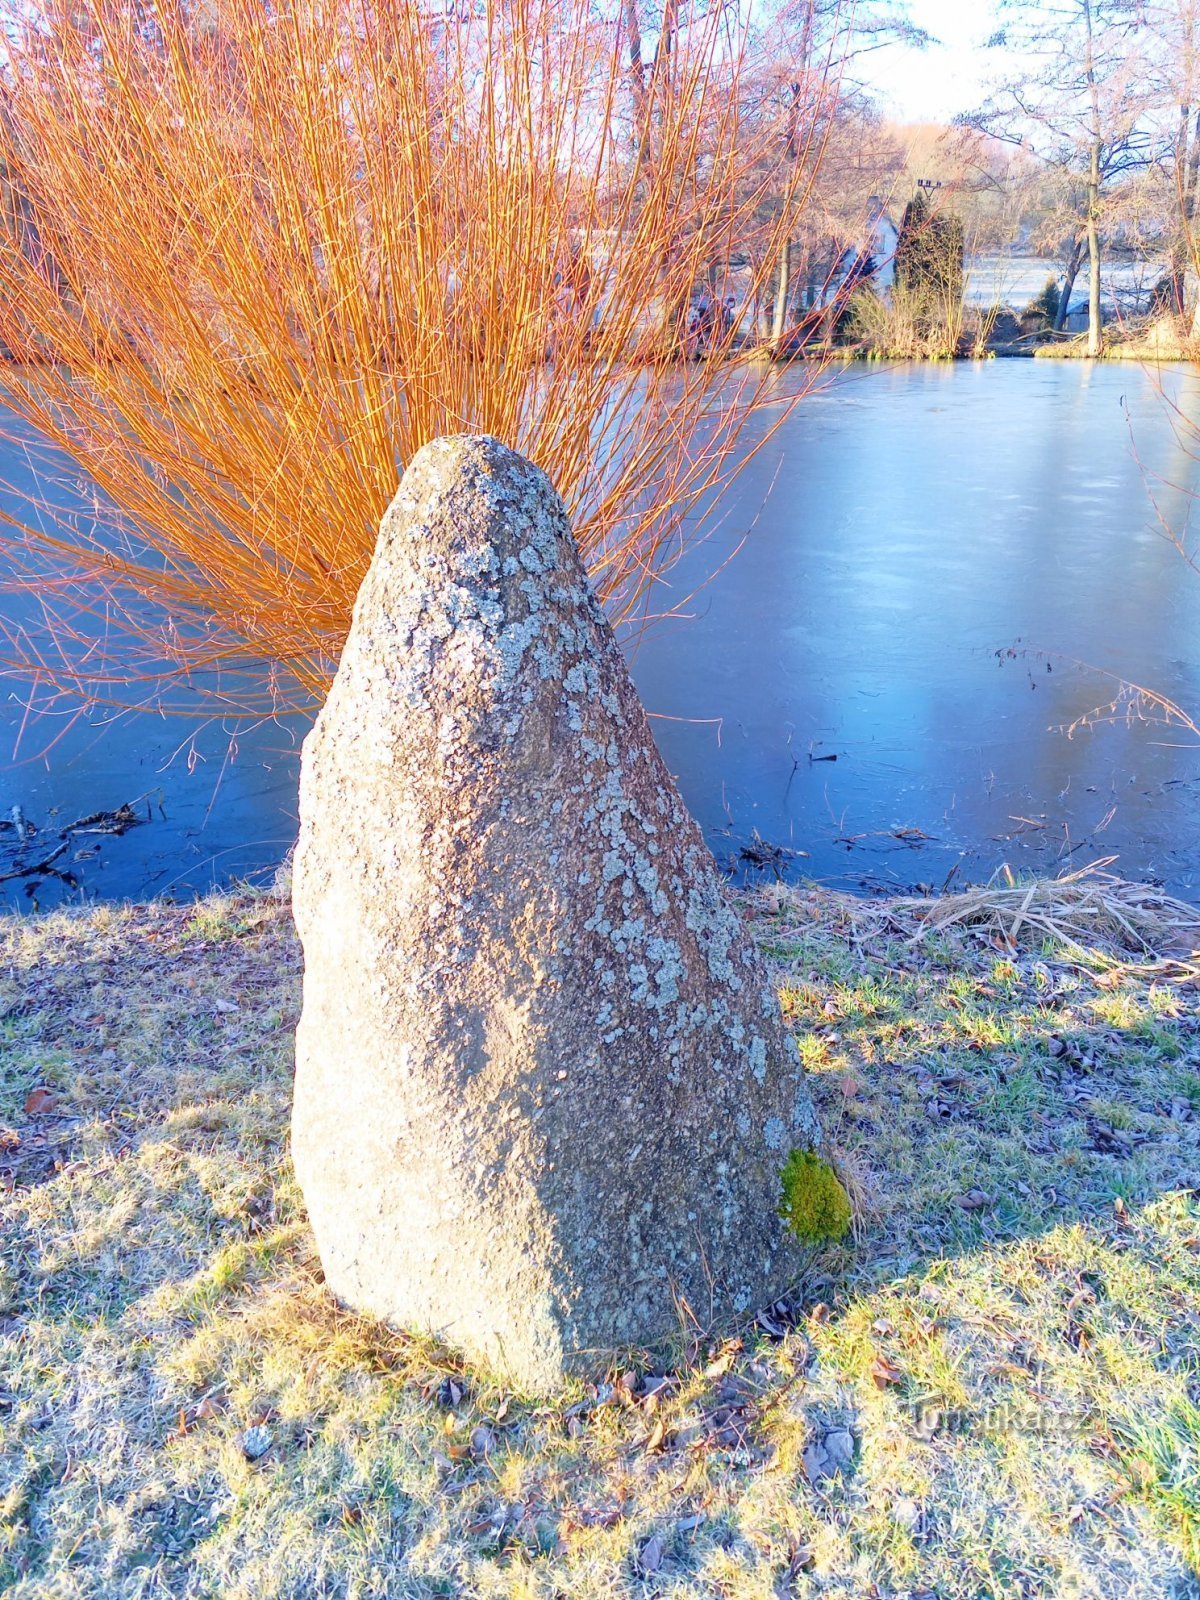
x: 651, y: 1555
x: 449, y: 1393
x: 600, y: 1517
x: 974, y: 1200
x: 656, y: 1435
x: 39, y: 1101
x: 884, y: 1372
x: 906, y: 1513
x: 838, y: 1448
x: 800, y: 1558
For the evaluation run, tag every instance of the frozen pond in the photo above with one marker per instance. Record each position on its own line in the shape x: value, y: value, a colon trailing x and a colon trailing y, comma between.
x: 907, y: 530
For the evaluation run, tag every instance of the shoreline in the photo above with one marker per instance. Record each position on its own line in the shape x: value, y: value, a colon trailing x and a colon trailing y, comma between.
x: 1152, y: 355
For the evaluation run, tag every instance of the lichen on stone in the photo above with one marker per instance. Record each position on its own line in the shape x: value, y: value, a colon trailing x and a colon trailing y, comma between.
x: 517, y: 942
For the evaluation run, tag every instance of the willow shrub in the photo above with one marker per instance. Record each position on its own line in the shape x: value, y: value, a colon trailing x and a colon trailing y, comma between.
x: 253, y: 256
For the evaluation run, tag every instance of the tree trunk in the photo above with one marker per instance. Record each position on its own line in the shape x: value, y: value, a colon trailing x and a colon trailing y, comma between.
x: 637, y: 82
x: 1191, y: 264
x: 783, y: 285
x: 1095, y: 337
x: 1068, y: 288
x: 1187, y: 170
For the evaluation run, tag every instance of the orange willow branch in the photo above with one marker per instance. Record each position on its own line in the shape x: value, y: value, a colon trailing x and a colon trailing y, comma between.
x: 253, y: 257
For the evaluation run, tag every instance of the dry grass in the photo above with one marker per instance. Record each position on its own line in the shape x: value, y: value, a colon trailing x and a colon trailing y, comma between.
x: 1103, y: 920
x: 993, y: 1393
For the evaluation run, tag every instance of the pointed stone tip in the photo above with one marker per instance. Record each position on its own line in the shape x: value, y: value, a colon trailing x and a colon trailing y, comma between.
x: 471, y: 456
x: 451, y: 448
x: 461, y: 488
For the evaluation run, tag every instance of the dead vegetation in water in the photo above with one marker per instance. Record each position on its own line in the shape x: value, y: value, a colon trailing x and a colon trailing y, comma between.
x: 991, y: 1393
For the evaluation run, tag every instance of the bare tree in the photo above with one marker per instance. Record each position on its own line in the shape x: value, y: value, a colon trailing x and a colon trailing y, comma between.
x: 1077, y: 97
x: 814, y: 52
x: 1174, y: 71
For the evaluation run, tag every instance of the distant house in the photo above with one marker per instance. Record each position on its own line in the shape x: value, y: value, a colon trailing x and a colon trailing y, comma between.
x: 872, y: 260
x: 1077, y: 314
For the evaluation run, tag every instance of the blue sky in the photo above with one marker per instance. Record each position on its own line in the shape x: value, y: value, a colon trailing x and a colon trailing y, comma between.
x: 931, y: 85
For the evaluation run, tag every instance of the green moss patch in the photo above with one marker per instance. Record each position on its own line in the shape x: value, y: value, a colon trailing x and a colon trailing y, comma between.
x: 815, y: 1206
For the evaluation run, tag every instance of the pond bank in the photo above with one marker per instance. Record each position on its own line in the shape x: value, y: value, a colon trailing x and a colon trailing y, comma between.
x: 991, y: 1392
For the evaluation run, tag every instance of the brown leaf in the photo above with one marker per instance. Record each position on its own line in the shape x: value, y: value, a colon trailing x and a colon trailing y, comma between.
x: 600, y: 1517
x: 40, y: 1101
x: 974, y: 1200
x: 656, y: 1435
x: 884, y: 1371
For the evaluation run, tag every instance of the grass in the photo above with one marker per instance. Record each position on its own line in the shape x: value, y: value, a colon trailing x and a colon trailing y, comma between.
x: 993, y: 1391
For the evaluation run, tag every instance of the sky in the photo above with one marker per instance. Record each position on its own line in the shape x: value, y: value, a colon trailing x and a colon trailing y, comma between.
x: 931, y: 85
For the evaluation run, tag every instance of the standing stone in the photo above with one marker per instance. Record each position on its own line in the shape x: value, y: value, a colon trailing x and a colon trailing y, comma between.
x: 543, y: 1089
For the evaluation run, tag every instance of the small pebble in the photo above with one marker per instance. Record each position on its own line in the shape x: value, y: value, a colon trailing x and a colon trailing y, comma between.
x: 256, y: 1442
x: 906, y: 1513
